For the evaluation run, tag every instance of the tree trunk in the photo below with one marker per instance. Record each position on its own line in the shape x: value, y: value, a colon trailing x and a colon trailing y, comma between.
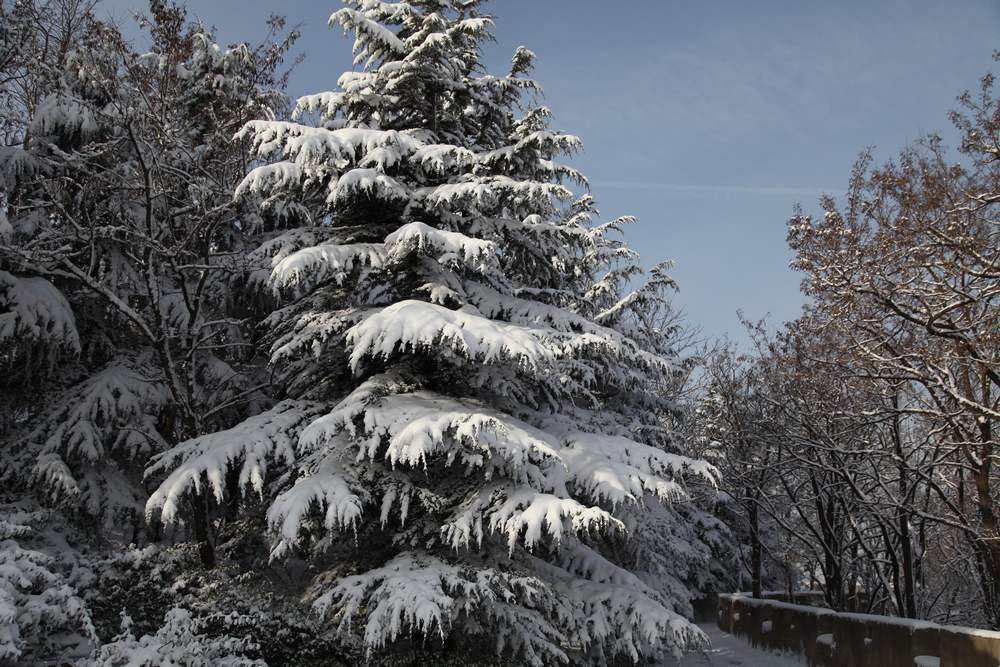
x: 989, y: 538
x: 755, y: 548
x: 199, y: 521
x: 903, y: 517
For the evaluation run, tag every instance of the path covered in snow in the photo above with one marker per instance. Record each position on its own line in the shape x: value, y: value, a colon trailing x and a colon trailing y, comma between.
x: 730, y: 651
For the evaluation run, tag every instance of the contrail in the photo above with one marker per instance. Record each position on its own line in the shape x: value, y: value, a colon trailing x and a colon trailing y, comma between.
x: 688, y: 187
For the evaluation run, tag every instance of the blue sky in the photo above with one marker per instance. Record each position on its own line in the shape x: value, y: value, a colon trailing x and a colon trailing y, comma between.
x: 708, y: 120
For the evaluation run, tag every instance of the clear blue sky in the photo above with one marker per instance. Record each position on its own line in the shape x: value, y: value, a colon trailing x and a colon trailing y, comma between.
x: 708, y: 120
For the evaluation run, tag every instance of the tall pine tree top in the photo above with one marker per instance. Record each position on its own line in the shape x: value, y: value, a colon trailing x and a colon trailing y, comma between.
x: 473, y: 449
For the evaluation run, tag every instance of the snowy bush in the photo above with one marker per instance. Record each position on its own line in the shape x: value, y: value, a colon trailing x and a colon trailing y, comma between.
x: 41, y: 616
x: 177, y: 642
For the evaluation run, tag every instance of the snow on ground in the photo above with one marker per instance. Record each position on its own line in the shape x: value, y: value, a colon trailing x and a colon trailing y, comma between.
x: 730, y: 651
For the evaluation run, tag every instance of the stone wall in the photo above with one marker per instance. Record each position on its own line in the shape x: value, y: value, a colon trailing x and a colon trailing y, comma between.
x: 831, y: 639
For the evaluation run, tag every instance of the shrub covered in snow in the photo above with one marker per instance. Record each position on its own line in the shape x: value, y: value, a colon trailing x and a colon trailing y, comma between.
x: 41, y: 615
x: 177, y: 642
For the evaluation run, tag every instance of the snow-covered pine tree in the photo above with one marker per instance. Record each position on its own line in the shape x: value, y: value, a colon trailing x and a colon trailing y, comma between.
x: 473, y: 444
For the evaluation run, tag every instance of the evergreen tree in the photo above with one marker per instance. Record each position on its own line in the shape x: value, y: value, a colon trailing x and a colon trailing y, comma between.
x: 474, y: 449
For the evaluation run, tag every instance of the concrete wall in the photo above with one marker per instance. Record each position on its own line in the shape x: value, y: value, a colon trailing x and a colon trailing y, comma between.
x: 830, y: 639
